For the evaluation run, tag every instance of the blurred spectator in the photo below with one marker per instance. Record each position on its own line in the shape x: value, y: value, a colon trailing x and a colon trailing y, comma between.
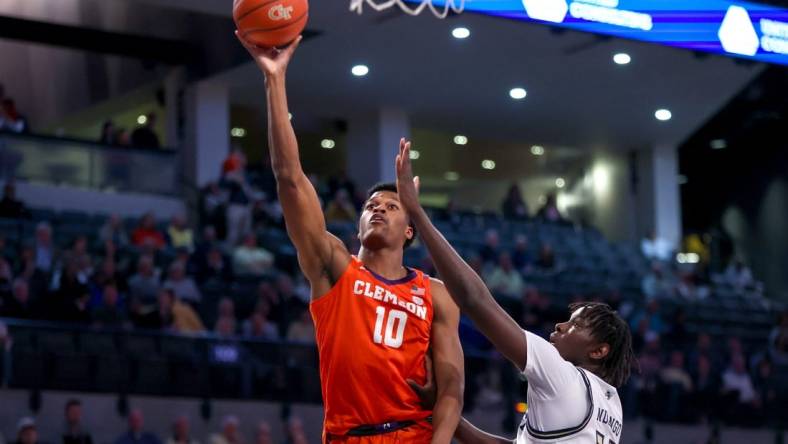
x: 778, y: 341
x: 109, y: 314
x: 678, y: 335
x: 258, y: 326
x: 689, y: 290
x: 341, y: 208
x: 707, y: 389
x: 652, y: 314
x: 302, y: 330
x: 295, y: 431
x: 549, y: 210
x: 513, y: 206
x: 234, y: 163
x: 522, y: 258
x: 263, y: 435
x: 250, y: 259
x: 739, y: 275
x: 215, y: 266
x: 160, y: 317
x: 113, y: 230
x: 213, y: 209
x: 736, y: 382
x: 74, y: 433
x: 144, y: 284
x: 181, y: 432
x: 145, y: 136
x: 650, y: 361
x: 179, y: 233
x: 230, y: 433
x: 11, y: 119
x: 546, y: 259
x: 107, y: 136
x: 26, y: 431
x: 45, y: 253
x: 68, y: 301
x: 184, y: 287
x: 767, y: 387
x: 135, y: 434
x: 239, y: 197
x: 448, y: 214
x: 10, y: 206
x: 291, y: 305
x: 19, y: 305
x: 226, y: 322
x: 79, y: 255
x: 489, y: 251
x: 122, y: 137
x: 106, y: 273
x: 678, y: 386
x: 504, y: 279
x: 654, y: 247
x: 655, y: 285
x: 146, y: 233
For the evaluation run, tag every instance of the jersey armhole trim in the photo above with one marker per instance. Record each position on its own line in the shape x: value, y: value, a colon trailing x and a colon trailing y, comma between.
x: 564, y: 433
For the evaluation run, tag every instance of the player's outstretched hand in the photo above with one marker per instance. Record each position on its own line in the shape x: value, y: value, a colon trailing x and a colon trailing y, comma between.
x: 272, y: 61
x: 407, y: 185
x: 428, y: 393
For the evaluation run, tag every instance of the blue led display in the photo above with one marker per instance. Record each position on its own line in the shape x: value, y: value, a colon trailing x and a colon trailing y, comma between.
x: 739, y: 29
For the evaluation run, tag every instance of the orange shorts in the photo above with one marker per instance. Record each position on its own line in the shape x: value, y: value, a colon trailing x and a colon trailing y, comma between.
x: 419, y: 433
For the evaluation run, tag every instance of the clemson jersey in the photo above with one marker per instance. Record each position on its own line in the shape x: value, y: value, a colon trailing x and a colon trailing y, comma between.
x: 372, y: 335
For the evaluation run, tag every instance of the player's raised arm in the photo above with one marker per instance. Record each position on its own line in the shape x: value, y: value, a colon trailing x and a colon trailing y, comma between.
x: 464, y: 285
x: 304, y: 218
x: 448, y: 365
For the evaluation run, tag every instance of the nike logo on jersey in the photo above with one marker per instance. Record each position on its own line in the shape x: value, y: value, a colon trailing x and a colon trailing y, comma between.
x: 372, y: 291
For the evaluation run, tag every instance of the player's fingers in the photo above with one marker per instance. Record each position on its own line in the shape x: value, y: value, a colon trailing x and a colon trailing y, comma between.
x: 417, y: 183
x: 293, y: 45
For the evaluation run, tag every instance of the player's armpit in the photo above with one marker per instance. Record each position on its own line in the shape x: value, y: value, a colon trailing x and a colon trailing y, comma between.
x: 448, y: 365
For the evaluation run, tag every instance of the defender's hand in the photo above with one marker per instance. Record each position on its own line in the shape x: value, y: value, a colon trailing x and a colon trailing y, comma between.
x: 407, y: 185
x: 428, y: 393
x: 271, y: 61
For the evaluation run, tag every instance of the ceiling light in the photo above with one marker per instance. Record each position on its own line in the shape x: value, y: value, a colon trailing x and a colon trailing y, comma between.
x: 560, y: 182
x: 238, y: 132
x: 460, y: 140
x: 719, y: 144
x: 622, y: 58
x: 360, y: 70
x: 328, y: 144
x: 663, y: 115
x: 461, y: 33
x: 414, y: 155
x: 518, y: 93
x: 537, y: 150
x: 452, y: 176
x: 488, y: 164
x: 142, y: 119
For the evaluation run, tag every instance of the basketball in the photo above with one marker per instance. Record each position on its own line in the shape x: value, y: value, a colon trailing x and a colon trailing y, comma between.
x: 270, y: 23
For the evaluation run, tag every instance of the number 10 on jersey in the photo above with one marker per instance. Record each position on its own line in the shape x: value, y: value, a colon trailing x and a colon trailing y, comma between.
x: 395, y: 327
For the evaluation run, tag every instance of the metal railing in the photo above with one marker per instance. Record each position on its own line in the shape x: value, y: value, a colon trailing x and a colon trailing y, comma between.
x: 79, y: 163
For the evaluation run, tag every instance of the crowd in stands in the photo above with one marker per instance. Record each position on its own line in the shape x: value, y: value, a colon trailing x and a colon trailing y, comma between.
x: 144, y: 136
x: 230, y: 432
x: 157, y: 275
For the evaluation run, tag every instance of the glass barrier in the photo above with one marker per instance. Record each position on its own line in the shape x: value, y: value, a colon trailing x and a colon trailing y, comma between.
x: 55, y: 161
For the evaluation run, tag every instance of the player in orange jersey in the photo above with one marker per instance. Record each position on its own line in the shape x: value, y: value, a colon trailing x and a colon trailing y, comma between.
x: 374, y: 318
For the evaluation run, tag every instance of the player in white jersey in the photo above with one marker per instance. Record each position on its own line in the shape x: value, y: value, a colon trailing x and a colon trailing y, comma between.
x: 572, y: 379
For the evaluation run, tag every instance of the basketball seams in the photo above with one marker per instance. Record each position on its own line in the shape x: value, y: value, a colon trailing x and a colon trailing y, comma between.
x: 296, y: 21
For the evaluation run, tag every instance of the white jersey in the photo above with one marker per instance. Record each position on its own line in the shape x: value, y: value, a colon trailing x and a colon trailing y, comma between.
x: 566, y: 404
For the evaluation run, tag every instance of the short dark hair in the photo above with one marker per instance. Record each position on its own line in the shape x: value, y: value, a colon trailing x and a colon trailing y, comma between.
x: 392, y: 188
x: 73, y: 402
x: 607, y: 326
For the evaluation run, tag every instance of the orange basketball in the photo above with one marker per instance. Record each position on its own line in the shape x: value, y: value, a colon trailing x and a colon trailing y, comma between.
x: 270, y: 23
